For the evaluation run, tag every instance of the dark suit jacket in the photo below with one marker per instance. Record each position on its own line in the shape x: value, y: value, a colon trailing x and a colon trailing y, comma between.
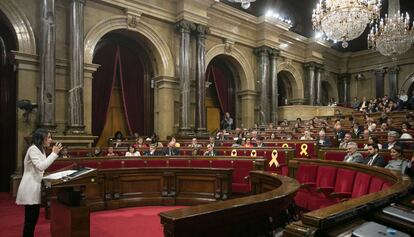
x: 171, y: 151
x: 326, y: 142
x: 156, y: 153
x: 385, y: 146
x: 379, y: 161
x: 213, y: 153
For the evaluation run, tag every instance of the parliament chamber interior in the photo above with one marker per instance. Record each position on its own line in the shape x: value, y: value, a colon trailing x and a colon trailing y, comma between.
x: 209, y: 117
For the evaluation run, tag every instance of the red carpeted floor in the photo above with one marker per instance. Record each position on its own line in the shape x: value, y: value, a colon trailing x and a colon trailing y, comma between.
x: 137, y: 221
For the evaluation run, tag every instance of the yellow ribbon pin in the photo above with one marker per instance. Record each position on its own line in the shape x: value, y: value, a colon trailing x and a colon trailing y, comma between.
x: 253, y: 153
x: 304, y: 149
x: 233, y: 152
x: 285, y: 145
x: 274, y: 159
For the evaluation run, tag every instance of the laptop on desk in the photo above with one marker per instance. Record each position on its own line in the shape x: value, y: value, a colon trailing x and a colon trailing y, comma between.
x: 400, y: 213
x: 373, y: 229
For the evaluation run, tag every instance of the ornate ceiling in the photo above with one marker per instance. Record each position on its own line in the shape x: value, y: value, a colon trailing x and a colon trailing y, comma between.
x: 300, y: 12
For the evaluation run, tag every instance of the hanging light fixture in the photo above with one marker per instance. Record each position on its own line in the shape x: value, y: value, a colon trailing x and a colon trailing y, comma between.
x: 392, y: 35
x: 244, y: 3
x: 344, y: 20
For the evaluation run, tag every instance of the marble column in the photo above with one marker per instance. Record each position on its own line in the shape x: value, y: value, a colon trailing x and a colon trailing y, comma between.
x: 47, y: 65
x: 263, y: 59
x: 200, y: 116
x: 185, y: 27
x: 344, y: 81
x: 379, y: 83
x: 393, y: 81
x: 318, y: 87
x: 248, y: 99
x: 75, y: 123
x: 274, y: 86
x: 310, y: 90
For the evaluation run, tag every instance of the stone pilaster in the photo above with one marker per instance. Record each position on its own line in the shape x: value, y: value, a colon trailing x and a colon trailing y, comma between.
x: 318, y: 87
x: 200, y: 116
x: 344, y: 81
x: 310, y: 89
x: 274, y: 86
x: 185, y: 27
x: 248, y: 100
x: 166, y: 88
x: 393, y: 81
x: 75, y: 123
x: 379, y: 82
x: 263, y: 59
x: 47, y: 96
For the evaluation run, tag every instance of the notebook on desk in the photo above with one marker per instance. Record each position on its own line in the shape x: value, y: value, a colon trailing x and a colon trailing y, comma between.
x: 399, y: 213
x: 373, y: 229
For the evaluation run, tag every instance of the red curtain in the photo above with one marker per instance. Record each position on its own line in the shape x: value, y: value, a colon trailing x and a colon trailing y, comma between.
x: 132, y: 87
x: 223, y: 81
x: 103, y: 81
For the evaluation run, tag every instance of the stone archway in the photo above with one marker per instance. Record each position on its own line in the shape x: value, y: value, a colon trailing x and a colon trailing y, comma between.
x: 162, y: 53
x: 245, y: 84
x: 332, y: 87
x: 26, y: 41
x: 287, y: 87
x: 295, y: 78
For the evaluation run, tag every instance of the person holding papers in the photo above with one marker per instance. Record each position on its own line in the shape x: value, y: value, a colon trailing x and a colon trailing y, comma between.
x: 35, y: 163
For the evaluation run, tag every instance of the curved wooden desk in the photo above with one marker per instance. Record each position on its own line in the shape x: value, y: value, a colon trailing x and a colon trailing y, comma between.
x: 238, y: 217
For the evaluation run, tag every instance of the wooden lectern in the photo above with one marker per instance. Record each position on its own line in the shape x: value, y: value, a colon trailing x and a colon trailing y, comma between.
x: 68, y: 211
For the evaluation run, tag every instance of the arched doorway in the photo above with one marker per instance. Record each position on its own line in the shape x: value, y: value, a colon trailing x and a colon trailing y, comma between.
x: 286, y: 86
x: 122, y: 92
x: 8, y: 95
x: 326, y: 90
x: 220, y: 97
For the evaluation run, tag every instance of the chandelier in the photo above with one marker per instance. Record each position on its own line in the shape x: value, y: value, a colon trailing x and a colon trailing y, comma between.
x: 244, y: 3
x: 344, y: 20
x: 392, y: 35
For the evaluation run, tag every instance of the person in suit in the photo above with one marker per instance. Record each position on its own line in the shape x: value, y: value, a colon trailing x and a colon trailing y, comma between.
x: 171, y: 150
x: 374, y: 159
x: 353, y: 156
x: 153, y: 150
x: 210, y: 151
x: 323, y: 140
x: 392, y: 140
x: 356, y: 131
x: 35, y: 164
x: 347, y: 139
x: 259, y: 142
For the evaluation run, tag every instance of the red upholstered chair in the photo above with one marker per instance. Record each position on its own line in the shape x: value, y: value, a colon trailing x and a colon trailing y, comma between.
x: 386, y: 185
x: 200, y: 163
x: 156, y: 163
x: 306, y: 175
x: 361, y: 185
x: 178, y: 163
x: 325, y: 180
x: 335, y: 155
x: 376, y: 184
x: 344, y: 183
x: 281, y: 159
x: 240, y: 176
x: 134, y: 163
x: 111, y: 164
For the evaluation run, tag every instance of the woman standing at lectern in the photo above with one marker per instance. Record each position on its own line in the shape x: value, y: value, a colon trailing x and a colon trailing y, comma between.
x: 35, y: 163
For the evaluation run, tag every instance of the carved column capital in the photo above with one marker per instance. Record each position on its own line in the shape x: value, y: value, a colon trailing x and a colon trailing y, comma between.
x: 393, y: 70
x: 263, y: 51
x: 80, y: 1
x: 202, y: 30
x: 379, y: 71
x: 310, y: 65
x: 274, y: 53
x: 184, y: 26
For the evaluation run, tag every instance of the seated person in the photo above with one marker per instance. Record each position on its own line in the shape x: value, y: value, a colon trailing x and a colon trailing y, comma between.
x: 132, y: 152
x: 212, y: 141
x: 323, y: 140
x: 237, y: 142
x: 306, y: 135
x: 152, y: 150
x: 118, y: 137
x: 110, y: 151
x: 372, y: 140
x: 248, y: 143
x: 405, y: 127
x: 347, y: 139
x: 139, y: 143
x: 96, y: 152
x: 64, y: 152
x: 356, y: 131
x: 374, y: 159
x: 259, y: 142
x: 171, y: 150
x: 392, y: 140
x: 398, y: 161
x: 210, y: 151
x: 353, y: 156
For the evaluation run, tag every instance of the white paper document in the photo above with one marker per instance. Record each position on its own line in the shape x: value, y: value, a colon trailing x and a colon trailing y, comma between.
x: 59, y: 175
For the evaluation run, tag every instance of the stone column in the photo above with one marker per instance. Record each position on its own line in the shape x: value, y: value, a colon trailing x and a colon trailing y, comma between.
x: 274, y: 86
x: 344, y: 81
x: 47, y: 65
x: 379, y: 83
x: 75, y: 123
x: 263, y: 59
x: 248, y: 100
x: 200, y: 116
x: 393, y: 81
x: 319, y: 71
x: 310, y: 90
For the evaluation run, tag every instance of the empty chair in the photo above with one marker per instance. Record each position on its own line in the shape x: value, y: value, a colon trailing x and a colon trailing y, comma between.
x: 361, y: 184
